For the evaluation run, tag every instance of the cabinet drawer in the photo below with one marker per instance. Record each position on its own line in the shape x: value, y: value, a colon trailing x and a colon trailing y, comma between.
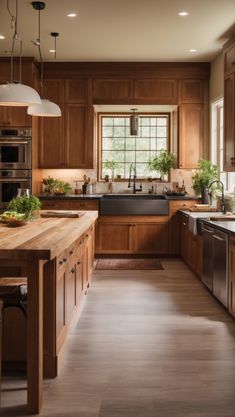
x: 178, y: 205
x: 62, y: 261
x: 84, y: 205
x: 55, y: 205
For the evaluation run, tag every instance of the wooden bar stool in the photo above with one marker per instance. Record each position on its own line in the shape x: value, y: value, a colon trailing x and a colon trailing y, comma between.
x: 13, y: 293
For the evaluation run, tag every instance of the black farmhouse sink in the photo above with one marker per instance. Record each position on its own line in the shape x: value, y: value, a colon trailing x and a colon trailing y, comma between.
x: 135, y: 205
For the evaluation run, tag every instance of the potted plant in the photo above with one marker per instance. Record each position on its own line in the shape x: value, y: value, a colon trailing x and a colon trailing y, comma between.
x: 206, y: 173
x: 111, y: 166
x: 162, y: 163
x: 25, y: 205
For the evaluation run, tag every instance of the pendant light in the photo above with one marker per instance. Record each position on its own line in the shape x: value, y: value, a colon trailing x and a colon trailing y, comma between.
x: 14, y: 93
x: 134, y: 123
x: 47, y: 108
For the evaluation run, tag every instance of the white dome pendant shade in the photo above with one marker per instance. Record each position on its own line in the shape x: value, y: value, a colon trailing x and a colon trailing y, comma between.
x: 45, y: 109
x: 18, y: 94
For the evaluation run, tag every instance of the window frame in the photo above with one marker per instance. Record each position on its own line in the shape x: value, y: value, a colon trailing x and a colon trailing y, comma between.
x: 125, y: 114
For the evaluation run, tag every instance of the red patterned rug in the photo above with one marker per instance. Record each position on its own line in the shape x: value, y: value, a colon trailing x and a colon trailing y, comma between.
x: 112, y: 263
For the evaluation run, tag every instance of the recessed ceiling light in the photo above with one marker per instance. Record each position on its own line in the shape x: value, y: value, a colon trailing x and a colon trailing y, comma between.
x: 52, y: 50
x: 71, y: 15
x: 2, y: 37
x: 192, y: 50
x: 183, y: 13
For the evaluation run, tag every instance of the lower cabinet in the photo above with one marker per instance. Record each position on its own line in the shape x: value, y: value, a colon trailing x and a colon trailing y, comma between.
x: 73, y: 204
x: 231, y: 287
x: 190, y: 246
x: 132, y: 235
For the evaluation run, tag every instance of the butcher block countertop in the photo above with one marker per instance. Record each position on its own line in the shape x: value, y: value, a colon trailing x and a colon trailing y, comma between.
x: 43, y: 238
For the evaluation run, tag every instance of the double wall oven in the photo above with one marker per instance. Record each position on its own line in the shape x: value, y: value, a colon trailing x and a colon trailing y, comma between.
x: 15, y: 162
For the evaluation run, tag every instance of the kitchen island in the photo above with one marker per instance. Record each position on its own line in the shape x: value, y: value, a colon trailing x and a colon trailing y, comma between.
x: 55, y: 254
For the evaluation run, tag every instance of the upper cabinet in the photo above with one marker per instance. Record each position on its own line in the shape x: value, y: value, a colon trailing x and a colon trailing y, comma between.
x: 54, y: 90
x: 191, y: 91
x: 160, y: 91
x: 229, y: 107
x: 191, y: 133
x: 76, y: 91
x: 112, y: 90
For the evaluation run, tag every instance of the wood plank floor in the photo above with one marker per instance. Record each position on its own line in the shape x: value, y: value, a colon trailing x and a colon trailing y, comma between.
x: 148, y: 344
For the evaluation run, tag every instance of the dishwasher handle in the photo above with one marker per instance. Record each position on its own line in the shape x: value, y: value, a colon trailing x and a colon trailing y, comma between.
x: 219, y: 238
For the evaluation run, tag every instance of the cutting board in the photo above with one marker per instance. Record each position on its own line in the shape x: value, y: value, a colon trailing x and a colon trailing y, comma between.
x: 224, y: 217
x: 66, y: 214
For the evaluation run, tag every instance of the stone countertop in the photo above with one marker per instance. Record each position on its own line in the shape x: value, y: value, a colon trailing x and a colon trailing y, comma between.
x: 224, y: 226
x: 98, y: 196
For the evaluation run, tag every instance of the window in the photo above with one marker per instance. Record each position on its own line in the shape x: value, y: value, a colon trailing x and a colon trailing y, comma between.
x: 116, y: 143
x: 217, y: 145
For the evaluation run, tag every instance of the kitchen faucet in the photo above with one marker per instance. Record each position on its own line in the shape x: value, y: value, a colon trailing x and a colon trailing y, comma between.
x: 133, y: 167
x: 222, y: 196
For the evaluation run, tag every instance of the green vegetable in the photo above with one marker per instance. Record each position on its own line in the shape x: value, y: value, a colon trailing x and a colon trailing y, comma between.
x: 54, y: 186
x: 25, y: 205
x: 12, y: 215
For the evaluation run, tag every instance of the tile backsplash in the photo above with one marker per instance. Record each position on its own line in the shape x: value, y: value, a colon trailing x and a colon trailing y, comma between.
x: 72, y: 175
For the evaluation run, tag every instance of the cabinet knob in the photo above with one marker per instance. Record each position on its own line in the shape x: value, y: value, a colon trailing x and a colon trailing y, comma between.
x: 64, y: 259
x: 70, y: 252
x: 79, y: 262
x: 184, y: 224
x: 72, y: 270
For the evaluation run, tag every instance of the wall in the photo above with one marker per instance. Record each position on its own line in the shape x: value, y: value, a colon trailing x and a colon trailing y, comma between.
x: 217, y: 78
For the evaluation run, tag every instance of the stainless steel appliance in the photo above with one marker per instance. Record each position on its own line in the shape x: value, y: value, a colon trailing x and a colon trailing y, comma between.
x: 10, y: 182
x: 15, y: 148
x: 215, y: 262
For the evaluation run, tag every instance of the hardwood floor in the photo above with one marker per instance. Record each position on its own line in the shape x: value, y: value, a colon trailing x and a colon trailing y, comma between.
x: 148, y: 344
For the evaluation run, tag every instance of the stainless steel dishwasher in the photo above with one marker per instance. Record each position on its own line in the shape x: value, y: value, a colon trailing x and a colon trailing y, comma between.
x: 215, y: 262
x: 220, y: 260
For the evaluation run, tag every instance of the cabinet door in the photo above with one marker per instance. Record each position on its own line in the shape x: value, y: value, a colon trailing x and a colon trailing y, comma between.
x: 159, y: 90
x: 112, y: 90
x: 54, y: 90
x: 60, y: 306
x: 15, y: 117
x: 184, y: 237
x: 191, y: 135
x: 76, y: 91
x: 231, y: 288
x: 150, y: 238
x: 51, y: 142
x: 79, y: 277
x: 78, y: 136
x: 113, y: 238
x: 192, y: 91
x: 229, y: 123
x: 70, y: 291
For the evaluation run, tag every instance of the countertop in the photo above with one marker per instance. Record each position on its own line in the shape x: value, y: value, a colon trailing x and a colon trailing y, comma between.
x: 225, y: 226
x: 43, y: 238
x: 98, y: 196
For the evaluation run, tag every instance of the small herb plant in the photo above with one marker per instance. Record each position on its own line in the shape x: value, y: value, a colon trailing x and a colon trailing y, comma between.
x: 162, y: 163
x: 206, y: 173
x: 26, y: 205
x: 55, y: 186
x: 111, y: 166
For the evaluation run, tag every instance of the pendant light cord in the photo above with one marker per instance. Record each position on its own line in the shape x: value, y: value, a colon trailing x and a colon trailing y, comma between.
x: 16, y: 37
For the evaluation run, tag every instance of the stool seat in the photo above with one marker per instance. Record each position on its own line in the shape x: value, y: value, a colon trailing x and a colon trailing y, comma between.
x: 13, y: 292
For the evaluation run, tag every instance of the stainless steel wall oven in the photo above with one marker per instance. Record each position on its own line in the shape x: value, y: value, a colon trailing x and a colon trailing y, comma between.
x: 15, y: 148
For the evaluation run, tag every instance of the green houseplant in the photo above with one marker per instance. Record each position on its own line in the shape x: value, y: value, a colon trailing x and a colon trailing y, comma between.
x: 206, y: 173
x: 162, y: 163
x: 111, y: 166
x: 26, y: 205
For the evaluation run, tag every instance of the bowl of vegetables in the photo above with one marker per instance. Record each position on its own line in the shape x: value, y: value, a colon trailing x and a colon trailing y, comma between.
x: 13, y: 219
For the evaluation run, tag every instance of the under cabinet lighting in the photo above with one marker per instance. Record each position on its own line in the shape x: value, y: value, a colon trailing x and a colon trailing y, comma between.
x: 192, y: 50
x: 71, y: 15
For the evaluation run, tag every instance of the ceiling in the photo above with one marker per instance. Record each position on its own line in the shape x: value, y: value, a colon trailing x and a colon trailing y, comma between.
x: 123, y: 30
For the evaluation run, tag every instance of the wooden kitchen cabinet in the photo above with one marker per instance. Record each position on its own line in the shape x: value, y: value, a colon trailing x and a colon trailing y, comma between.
x: 54, y: 90
x: 108, y: 89
x: 231, y: 280
x: 14, y: 117
x: 76, y: 91
x: 190, y: 246
x: 229, y: 123
x: 132, y: 235
x: 191, y: 134
x: 73, y: 204
x: 192, y: 91
x: 229, y: 57
x: 161, y: 91
x: 150, y: 238
x: 174, y: 223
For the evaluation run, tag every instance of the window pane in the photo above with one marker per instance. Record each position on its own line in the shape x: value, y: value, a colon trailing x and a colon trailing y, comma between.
x: 118, y: 145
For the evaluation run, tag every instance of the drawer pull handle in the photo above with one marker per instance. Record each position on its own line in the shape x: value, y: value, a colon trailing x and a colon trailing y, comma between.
x: 184, y: 224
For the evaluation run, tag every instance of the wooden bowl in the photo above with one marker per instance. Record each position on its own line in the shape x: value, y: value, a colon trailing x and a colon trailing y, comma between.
x: 16, y: 223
